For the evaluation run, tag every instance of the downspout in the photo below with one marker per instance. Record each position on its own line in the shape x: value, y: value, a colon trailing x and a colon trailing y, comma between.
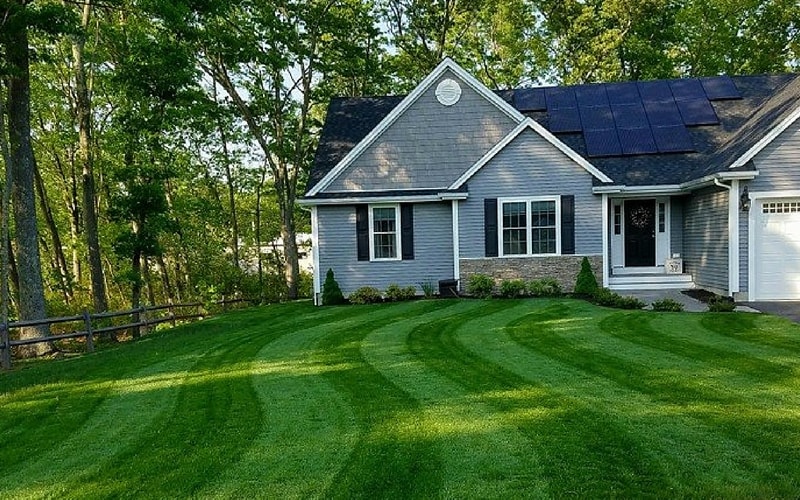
x: 733, y: 234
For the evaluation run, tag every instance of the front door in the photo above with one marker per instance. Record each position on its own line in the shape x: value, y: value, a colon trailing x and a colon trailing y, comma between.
x: 640, y: 233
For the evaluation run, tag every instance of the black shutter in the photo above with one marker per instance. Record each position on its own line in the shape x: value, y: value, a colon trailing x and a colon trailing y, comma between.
x: 490, y: 226
x: 362, y: 232
x: 568, y: 224
x: 407, y: 230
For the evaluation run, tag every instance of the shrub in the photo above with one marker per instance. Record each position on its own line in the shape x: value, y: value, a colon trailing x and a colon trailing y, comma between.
x: 668, y: 305
x: 394, y: 293
x: 366, y: 295
x: 512, y: 288
x: 721, y: 304
x: 545, y: 287
x: 585, y: 283
x: 428, y: 288
x: 331, y: 293
x: 480, y: 285
x: 607, y: 298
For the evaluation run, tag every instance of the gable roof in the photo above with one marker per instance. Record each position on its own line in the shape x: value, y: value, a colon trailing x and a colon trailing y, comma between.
x: 768, y: 102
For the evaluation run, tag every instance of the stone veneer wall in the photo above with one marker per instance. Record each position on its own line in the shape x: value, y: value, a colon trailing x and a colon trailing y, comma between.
x: 564, y: 268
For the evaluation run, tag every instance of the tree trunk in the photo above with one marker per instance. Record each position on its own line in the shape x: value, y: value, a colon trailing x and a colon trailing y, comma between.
x: 31, y: 289
x: 148, y: 280
x: 136, y: 288
x: 59, y: 259
x: 259, y: 190
x: 289, y: 235
x: 164, y: 270
x: 84, y: 111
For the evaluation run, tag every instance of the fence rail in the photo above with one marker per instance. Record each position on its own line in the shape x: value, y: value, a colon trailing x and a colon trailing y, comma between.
x: 142, y: 319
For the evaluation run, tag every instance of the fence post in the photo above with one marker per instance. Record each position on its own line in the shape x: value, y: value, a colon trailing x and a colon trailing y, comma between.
x: 144, y: 320
x: 5, y: 355
x: 87, y: 321
x: 171, y: 312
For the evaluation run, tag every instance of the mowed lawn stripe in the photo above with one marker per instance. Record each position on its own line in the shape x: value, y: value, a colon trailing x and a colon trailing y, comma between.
x: 309, y: 428
x: 483, y: 455
x: 381, y: 464
x: 682, y: 419
x: 581, y: 451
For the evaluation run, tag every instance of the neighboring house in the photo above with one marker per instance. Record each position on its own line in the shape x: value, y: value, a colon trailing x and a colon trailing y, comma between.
x: 274, y: 251
x: 670, y: 183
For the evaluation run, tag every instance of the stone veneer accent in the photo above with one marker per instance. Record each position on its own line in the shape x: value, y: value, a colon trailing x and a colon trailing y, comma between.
x: 564, y: 268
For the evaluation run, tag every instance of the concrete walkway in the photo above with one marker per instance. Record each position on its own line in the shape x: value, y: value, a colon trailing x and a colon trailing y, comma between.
x: 649, y: 296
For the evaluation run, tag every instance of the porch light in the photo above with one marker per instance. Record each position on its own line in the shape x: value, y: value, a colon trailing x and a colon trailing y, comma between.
x: 744, y: 200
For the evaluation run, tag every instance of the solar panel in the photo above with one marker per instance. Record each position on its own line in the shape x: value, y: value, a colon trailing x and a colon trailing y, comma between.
x: 564, y: 120
x: 529, y: 100
x: 672, y: 139
x: 591, y: 95
x: 623, y: 93
x: 636, y: 141
x: 689, y: 88
x: 596, y: 117
x: 602, y: 142
x: 661, y: 114
x: 718, y: 88
x: 560, y: 97
x: 629, y: 115
x: 697, y: 112
x: 655, y: 91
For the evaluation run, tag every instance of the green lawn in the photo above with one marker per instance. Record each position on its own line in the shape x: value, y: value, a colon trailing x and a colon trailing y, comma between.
x: 427, y: 399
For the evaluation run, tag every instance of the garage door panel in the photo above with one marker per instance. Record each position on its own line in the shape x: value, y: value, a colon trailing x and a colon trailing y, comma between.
x: 777, y: 249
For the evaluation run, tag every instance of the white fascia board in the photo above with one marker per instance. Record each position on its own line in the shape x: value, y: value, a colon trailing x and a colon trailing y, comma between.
x: 382, y: 199
x: 766, y: 140
x: 665, y: 189
x: 723, y: 176
x: 529, y: 123
x: 424, y: 85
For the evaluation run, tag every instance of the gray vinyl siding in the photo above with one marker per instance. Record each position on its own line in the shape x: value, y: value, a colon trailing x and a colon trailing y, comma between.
x: 778, y: 165
x: 705, y: 238
x: 433, y: 249
x: 428, y: 146
x: 676, y: 225
x: 530, y: 166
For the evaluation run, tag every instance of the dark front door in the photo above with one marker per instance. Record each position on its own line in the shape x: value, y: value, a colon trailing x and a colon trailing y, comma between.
x: 640, y: 233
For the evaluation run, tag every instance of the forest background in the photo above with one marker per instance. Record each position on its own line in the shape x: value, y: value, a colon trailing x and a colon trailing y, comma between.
x: 153, y: 151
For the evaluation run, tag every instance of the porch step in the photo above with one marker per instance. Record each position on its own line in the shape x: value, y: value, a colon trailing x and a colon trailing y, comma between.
x: 651, y: 282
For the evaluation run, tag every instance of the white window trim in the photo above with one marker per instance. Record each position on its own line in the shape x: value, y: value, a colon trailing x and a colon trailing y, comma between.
x: 529, y: 226
x: 397, y: 231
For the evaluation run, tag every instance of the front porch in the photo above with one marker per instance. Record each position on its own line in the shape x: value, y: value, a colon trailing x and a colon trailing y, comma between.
x: 645, y: 240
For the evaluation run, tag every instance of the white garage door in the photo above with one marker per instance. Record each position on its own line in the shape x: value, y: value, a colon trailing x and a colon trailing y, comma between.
x: 777, y: 249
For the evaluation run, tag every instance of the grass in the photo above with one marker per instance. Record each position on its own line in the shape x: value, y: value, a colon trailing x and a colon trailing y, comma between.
x: 425, y: 399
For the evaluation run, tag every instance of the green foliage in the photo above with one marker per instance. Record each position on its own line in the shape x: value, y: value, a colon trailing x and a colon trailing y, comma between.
x: 395, y: 293
x: 545, y: 287
x: 428, y: 289
x: 586, y: 282
x: 365, y: 295
x: 721, y: 304
x: 608, y: 298
x: 512, y: 288
x: 668, y: 305
x: 331, y: 293
x: 480, y: 285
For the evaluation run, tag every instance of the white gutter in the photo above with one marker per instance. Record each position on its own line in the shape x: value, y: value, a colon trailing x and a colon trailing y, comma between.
x: 383, y: 199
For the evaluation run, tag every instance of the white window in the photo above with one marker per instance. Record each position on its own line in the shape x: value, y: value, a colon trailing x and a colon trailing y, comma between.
x: 530, y: 226
x: 384, y: 236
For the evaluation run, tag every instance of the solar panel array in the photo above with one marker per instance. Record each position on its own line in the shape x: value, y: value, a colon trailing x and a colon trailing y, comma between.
x: 631, y: 118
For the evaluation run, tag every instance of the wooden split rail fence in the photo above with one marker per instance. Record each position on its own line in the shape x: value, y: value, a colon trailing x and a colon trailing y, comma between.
x: 148, y: 316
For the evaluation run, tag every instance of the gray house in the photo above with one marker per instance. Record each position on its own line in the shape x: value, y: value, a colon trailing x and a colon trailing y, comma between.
x: 661, y: 184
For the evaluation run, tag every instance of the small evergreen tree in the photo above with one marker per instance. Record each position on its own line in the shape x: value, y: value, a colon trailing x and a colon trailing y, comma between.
x: 586, y: 283
x: 331, y: 293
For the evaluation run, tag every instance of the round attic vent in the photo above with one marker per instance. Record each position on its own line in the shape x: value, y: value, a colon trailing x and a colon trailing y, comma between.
x: 448, y: 92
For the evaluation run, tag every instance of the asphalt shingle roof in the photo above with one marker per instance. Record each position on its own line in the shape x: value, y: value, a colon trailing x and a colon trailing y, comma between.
x: 766, y: 101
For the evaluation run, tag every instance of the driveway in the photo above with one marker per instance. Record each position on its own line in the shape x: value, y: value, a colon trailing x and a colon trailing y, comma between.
x: 789, y: 310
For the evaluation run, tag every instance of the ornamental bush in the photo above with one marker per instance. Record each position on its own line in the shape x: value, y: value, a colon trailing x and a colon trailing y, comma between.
x: 480, y: 285
x: 366, y: 295
x: 512, y: 288
x: 331, y: 293
x: 395, y: 293
x: 721, y: 304
x: 607, y: 298
x: 585, y: 283
x: 545, y: 287
x: 667, y: 305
